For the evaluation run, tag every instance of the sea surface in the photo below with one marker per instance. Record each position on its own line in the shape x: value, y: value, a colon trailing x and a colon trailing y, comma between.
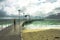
x: 5, y: 23
x: 44, y: 24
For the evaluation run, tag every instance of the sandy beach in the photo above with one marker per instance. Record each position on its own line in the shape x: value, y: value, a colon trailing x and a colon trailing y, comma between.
x: 47, y: 34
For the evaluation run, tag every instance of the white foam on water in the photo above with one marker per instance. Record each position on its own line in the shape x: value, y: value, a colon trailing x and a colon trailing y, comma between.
x: 31, y: 26
x: 4, y: 26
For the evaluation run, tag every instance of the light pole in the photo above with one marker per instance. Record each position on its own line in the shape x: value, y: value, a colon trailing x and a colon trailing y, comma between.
x: 23, y: 16
x: 19, y: 25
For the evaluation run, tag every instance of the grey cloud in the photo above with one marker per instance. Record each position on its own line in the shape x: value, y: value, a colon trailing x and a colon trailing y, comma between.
x: 53, y: 15
x: 52, y: 1
x: 57, y: 8
x: 2, y: 0
x: 2, y: 13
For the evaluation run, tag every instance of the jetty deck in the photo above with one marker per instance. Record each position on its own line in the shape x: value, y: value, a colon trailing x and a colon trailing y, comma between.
x: 10, y: 34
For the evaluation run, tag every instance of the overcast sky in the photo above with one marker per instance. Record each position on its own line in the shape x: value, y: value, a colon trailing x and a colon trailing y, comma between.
x: 30, y: 7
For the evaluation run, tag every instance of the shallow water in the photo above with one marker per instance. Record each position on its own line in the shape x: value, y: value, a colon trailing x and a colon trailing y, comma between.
x: 4, y: 26
x: 43, y: 24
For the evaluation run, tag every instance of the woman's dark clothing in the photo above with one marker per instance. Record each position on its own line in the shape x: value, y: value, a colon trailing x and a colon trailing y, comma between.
x: 14, y: 24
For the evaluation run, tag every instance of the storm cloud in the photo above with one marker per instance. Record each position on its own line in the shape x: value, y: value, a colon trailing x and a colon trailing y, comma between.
x: 30, y: 7
x: 2, y: 13
x: 2, y: 0
x: 52, y: 1
x: 54, y: 15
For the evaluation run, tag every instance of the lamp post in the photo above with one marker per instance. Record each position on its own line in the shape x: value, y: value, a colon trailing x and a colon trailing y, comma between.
x: 19, y: 25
